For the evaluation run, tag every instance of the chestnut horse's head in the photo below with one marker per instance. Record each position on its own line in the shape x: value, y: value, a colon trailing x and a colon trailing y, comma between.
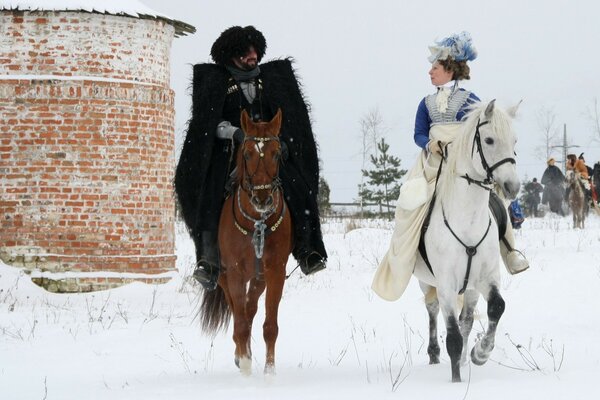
x: 258, y: 161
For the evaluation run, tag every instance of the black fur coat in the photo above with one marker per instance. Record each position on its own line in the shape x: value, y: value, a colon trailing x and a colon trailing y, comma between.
x: 201, y: 149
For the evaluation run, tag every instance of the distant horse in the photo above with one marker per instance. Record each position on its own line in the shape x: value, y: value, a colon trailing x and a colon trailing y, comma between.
x: 596, y: 182
x: 462, y: 239
x: 577, y: 200
x: 255, y: 241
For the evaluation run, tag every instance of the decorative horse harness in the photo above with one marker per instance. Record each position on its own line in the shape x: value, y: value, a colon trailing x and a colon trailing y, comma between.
x: 486, y: 184
x: 260, y: 231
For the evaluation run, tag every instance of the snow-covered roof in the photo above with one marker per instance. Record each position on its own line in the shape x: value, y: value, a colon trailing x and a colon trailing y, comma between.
x: 131, y: 8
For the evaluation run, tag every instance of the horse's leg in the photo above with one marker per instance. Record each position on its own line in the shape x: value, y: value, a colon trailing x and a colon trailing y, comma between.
x: 241, y: 329
x: 433, y: 308
x: 225, y: 286
x: 466, y: 320
x: 275, y: 280
x: 495, y: 308
x: 454, y: 342
x: 256, y: 288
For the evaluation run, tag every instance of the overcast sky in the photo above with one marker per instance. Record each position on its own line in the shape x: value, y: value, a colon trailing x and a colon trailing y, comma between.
x: 353, y: 57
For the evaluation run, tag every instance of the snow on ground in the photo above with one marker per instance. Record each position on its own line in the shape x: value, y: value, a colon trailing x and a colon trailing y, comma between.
x: 337, y: 339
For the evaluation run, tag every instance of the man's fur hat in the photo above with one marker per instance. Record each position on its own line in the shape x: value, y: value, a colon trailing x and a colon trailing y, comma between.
x: 235, y: 42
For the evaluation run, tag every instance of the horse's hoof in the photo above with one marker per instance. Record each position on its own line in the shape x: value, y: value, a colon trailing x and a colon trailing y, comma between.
x: 456, y: 375
x: 245, y: 365
x: 237, y: 362
x: 476, y: 359
x: 434, y: 360
x: 270, y: 370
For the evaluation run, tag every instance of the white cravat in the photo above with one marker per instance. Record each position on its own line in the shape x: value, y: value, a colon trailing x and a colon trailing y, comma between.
x: 444, y: 92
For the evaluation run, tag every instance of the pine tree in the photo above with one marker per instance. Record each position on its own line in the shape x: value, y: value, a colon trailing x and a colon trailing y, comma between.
x: 323, y: 196
x: 383, y: 186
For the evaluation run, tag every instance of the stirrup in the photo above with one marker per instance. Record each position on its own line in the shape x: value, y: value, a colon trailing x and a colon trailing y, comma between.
x: 314, y: 262
x: 516, y: 262
x: 206, y: 274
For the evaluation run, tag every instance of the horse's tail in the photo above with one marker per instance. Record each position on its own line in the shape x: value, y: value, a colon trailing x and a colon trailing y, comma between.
x: 215, y: 313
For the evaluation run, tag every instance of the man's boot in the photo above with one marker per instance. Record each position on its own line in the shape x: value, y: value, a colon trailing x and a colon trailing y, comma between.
x: 207, y: 260
x: 514, y: 260
x: 314, y: 262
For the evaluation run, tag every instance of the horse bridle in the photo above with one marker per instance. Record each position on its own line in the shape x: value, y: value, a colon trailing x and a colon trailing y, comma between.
x: 260, y: 227
x: 489, y: 180
x: 247, y: 184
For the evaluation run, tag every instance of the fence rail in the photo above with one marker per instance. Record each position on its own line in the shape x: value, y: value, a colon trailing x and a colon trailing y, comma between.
x: 356, y: 210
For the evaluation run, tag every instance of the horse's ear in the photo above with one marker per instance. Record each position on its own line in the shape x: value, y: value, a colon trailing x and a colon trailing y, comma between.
x: 512, y: 111
x: 276, y: 121
x: 490, y: 109
x: 245, y: 119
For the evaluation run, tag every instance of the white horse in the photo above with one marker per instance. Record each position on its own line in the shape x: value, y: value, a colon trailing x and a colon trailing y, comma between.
x: 577, y: 198
x: 462, y: 239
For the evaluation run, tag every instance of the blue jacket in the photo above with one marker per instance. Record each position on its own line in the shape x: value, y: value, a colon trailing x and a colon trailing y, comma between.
x: 423, y: 119
x: 516, y: 214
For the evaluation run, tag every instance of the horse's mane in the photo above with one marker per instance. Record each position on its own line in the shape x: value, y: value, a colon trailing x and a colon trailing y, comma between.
x: 463, y: 146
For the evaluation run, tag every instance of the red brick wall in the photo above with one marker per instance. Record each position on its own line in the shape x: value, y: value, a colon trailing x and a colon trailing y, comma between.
x: 85, y: 44
x: 86, y: 165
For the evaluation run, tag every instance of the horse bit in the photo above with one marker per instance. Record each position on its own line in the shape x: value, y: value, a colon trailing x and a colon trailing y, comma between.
x: 486, y: 184
x: 260, y: 227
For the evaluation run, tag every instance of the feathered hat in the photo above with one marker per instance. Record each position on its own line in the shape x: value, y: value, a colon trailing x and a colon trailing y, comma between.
x: 235, y: 42
x: 458, y: 46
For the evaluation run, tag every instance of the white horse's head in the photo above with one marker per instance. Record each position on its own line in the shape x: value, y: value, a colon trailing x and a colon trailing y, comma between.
x: 486, y: 149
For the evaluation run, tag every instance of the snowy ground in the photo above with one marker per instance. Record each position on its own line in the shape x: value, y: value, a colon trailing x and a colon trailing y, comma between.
x: 337, y: 339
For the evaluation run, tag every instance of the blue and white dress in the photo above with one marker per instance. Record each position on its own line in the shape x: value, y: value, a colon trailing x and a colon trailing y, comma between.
x: 439, y: 118
x: 448, y: 106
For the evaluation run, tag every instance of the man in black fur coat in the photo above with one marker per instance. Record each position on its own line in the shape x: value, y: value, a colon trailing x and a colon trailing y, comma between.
x: 220, y: 92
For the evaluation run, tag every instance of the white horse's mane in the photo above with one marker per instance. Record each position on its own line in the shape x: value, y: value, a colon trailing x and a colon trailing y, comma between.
x: 462, y: 146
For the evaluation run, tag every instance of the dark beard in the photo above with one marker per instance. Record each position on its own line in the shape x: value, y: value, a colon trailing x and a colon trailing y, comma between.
x: 245, y: 66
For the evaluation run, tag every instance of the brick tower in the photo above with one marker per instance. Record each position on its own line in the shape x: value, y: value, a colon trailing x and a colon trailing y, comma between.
x: 87, y: 144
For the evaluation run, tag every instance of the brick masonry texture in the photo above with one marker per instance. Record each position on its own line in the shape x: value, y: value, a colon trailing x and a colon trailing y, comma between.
x: 86, y: 166
x: 85, y: 44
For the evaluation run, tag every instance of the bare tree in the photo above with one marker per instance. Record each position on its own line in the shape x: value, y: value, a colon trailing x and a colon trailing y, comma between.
x: 372, y: 129
x: 593, y: 115
x: 546, y: 121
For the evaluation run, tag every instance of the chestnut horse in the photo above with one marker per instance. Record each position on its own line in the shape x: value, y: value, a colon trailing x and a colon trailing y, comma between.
x: 255, y: 241
x: 577, y: 200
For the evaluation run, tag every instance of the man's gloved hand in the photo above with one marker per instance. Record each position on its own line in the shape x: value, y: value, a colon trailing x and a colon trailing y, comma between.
x: 227, y: 131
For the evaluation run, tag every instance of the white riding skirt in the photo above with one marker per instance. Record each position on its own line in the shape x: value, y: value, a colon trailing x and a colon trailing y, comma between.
x: 394, y: 271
